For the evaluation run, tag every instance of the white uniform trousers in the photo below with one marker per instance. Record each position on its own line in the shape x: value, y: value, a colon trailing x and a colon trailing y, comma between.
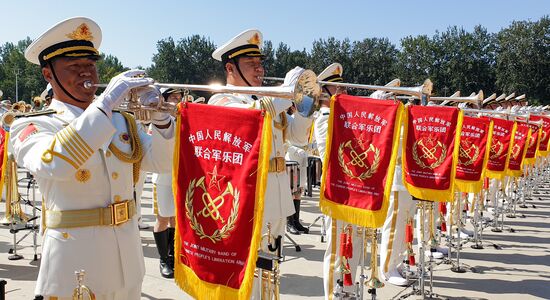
x: 331, y: 260
x: 139, y: 191
x: 393, y: 246
x: 163, y: 199
x: 133, y: 293
x: 299, y: 155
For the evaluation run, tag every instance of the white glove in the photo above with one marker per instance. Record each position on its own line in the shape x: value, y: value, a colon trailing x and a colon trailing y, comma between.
x: 160, y: 118
x: 292, y: 76
x: 150, y: 98
x: 118, y: 88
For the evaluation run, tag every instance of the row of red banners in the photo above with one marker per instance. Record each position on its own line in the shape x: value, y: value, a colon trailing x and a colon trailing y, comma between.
x: 220, y: 174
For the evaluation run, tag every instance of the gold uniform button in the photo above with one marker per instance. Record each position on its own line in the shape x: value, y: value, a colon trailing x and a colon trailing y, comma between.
x: 114, y: 175
x: 117, y: 198
x: 108, y: 153
x: 65, y: 235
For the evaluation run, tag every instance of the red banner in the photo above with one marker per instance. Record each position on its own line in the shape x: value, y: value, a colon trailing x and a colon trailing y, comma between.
x: 360, y: 159
x: 220, y: 173
x: 544, y: 134
x: 503, y: 133
x: 533, y: 144
x: 518, y: 151
x: 473, y: 154
x: 4, y: 140
x: 430, y: 155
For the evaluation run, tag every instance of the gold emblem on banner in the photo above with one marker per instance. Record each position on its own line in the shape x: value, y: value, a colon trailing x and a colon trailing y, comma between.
x: 211, y: 209
x: 496, y: 150
x: 432, y: 152
x: 532, y: 140
x: 359, y: 160
x: 468, y: 153
x: 515, y: 151
x: 543, y: 136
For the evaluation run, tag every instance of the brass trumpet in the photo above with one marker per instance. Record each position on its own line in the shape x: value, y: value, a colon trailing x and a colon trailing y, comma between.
x: 373, y: 282
x: 267, y: 266
x: 476, y: 99
x: 305, y: 94
x: 81, y: 291
x: 392, y: 87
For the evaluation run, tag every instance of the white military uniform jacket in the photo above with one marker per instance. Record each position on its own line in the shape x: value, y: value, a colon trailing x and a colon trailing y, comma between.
x: 111, y: 255
x: 320, y: 130
x: 278, y: 199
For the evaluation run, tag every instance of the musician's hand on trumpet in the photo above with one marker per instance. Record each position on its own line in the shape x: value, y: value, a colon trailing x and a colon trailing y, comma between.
x: 118, y: 88
x: 151, y: 97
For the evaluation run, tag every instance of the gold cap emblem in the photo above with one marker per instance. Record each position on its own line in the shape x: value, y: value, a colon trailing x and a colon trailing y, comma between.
x: 255, y: 39
x: 82, y: 32
x: 337, y: 71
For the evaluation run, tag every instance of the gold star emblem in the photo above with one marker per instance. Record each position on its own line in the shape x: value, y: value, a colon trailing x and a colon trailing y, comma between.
x: 82, y: 32
x: 215, y: 178
x: 255, y: 39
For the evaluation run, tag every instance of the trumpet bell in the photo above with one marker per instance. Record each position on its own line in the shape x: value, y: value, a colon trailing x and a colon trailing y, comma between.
x: 306, y: 93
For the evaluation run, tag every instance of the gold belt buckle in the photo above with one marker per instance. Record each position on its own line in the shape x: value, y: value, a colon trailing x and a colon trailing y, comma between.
x: 119, y: 212
x: 281, y: 164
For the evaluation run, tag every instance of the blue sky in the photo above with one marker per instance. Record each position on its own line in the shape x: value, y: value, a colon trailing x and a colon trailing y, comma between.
x: 132, y: 28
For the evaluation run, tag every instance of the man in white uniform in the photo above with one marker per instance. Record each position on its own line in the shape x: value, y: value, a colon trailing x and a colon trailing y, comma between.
x: 297, y: 152
x: 332, y: 264
x: 242, y: 61
x: 85, y: 158
x: 163, y: 204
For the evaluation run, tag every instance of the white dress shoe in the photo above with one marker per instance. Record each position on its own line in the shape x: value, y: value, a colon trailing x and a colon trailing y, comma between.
x: 143, y: 226
x: 435, y: 255
x: 466, y: 231
x: 443, y: 250
x: 462, y: 235
x: 395, y: 278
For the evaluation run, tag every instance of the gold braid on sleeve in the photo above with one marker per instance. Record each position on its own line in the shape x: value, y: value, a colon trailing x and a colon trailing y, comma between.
x: 282, y: 125
x: 137, y: 151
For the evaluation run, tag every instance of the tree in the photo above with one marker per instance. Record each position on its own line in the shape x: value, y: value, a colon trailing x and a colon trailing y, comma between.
x: 29, y: 79
x: 108, y: 67
x: 415, y: 60
x: 523, y: 59
x: 373, y: 61
x: 463, y: 61
x: 187, y: 61
x: 286, y: 59
x: 331, y: 50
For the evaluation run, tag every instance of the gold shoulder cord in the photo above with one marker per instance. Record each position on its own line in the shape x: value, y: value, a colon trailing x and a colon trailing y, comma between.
x: 137, y: 152
x: 282, y: 125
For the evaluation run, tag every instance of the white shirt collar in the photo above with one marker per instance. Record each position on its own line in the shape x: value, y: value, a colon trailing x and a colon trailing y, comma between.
x: 65, y: 111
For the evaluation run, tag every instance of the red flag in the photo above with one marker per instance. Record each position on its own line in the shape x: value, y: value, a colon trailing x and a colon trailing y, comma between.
x: 429, y: 155
x: 360, y: 159
x: 4, y: 140
x: 503, y: 135
x: 473, y: 154
x: 544, y: 134
x: 533, y: 144
x: 220, y: 173
x: 517, y: 153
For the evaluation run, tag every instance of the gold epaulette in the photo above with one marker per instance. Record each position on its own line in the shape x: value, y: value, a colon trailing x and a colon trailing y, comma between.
x: 36, y: 113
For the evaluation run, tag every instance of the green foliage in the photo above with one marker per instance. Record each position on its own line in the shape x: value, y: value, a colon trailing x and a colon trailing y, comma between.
x: 516, y: 59
x: 108, y: 67
x: 29, y: 77
x: 523, y: 59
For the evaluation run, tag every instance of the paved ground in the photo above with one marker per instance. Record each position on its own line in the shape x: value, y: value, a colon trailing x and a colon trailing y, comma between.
x: 520, y: 270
